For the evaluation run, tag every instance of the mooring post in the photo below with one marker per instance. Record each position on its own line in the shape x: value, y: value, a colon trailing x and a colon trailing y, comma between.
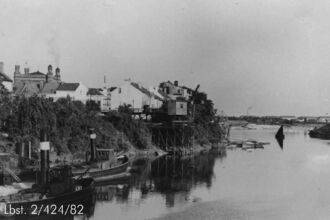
x: 182, y: 141
x: 23, y: 149
x: 44, y: 157
x: 29, y: 153
x: 166, y: 138
x: 92, y: 137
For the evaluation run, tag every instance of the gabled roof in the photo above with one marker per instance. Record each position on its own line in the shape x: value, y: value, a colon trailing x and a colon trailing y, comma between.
x: 29, y: 89
x: 94, y: 91
x: 141, y: 88
x: 158, y: 97
x: 162, y: 84
x: 164, y: 95
x: 68, y: 87
x: 50, y: 87
x: 5, y: 78
x: 187, y: 88
x: 37, y: 73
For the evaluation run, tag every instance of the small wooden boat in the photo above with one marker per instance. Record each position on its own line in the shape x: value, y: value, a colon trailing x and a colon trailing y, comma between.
x: 99, y: 172
x: 252, y: 144
x: 119, y: 178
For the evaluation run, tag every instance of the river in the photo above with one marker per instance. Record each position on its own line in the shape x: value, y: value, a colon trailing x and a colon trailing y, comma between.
x: 292, y: 182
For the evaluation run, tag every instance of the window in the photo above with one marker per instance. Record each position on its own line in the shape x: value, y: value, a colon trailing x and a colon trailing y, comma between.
x: 119, y: 90
x: 181, y: 105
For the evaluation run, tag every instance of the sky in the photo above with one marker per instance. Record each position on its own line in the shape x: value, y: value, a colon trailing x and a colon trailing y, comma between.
x: 267, y: 57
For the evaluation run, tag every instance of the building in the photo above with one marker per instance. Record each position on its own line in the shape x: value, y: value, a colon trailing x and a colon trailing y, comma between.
x: 52, y: 83
x: 35, y: 83
x: 173, y: 90
x: 323, y: 119
x: 76, y: 91
x: 289, y: 118
x: 5, y: 80
x: 157, y: 98
x: 132, y: 94
x: 96, y: 95
x: 100, y: 97
x: 311, y: 119
x: 177, y: 107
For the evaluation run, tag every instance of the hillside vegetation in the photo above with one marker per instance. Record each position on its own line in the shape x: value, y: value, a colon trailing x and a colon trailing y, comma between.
x: 67, y: 122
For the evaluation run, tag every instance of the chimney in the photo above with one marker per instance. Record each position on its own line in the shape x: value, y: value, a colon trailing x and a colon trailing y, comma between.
x: 26, y: 70
x: 50, y: 70
x: 1, y: 67
x: 17, y: 69
x: 176, y: 83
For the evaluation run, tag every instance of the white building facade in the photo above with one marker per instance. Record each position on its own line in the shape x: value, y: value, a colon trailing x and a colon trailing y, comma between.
x: 132, y: 94
x: 76, y: 91
x: 101, y: 97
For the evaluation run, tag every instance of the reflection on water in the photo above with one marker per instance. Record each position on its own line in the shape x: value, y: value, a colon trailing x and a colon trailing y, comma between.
x: 166, y: 175
x: 172, y: 174
x: 269, y: 183
x: 171, y: 178
x: 280, y: 142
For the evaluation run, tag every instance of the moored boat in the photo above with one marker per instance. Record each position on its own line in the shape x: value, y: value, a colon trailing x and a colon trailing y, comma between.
x: 98, y: 172
x: 54, y: 193
x: 76, y: 199
x: 100, y: 162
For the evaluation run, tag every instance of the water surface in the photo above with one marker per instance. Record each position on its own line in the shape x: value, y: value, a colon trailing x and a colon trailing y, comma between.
x: 274, y: 183
x: 292, y: 182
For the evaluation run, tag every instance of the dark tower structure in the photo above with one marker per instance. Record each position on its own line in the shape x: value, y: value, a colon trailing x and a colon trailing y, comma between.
x: 58, y: 73
x: 50, y: 70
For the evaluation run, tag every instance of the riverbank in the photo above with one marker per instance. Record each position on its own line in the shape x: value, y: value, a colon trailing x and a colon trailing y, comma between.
x: 68, y: 122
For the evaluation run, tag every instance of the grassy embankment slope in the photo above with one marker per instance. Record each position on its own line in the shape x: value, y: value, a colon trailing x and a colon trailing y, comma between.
x: 67, y: 123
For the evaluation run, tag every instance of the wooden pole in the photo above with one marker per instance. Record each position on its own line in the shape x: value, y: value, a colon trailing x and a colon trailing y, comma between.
x: 29, y: 153
x: 44, y: 157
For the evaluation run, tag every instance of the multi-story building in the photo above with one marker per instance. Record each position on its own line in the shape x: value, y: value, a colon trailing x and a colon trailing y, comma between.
x: 174, y: 91
x: 75, y: 91
x: 176, y: 97
x: 134, y: 95
x: 100, y: 97
x: 35, y: 83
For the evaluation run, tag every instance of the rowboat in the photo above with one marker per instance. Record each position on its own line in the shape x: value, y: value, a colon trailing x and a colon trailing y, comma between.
x: 99, y: 172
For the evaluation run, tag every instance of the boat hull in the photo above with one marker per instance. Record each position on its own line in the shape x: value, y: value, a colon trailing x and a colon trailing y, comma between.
x: 104, y: 172
x: 72, y: 203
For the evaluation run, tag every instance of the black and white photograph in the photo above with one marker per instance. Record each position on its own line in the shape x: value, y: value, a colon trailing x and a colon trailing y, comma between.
x: 164, y: 110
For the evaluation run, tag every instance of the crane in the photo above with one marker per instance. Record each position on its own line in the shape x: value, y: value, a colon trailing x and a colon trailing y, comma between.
x: 192, y: 100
